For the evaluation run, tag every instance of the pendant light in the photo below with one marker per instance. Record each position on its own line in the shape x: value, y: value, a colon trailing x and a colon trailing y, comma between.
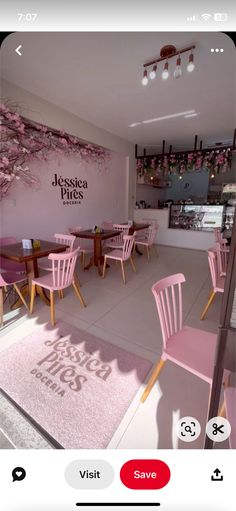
x: 153, y: 72
x: 178, y: 70
x: 165, y: 73
x: 145, y: 78
x: 190, y: 66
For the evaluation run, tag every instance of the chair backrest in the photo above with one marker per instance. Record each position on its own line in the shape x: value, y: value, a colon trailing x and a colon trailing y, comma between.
x: 120, y: 227
x: 65, y: 239
x: 152, y: 232
x: 6, y: 264
x: 63, y: 267
x: 168, y: 297
x: 222, y: 254
x: 219, y: 236
x: 128, y: 245
x: 214, y: 267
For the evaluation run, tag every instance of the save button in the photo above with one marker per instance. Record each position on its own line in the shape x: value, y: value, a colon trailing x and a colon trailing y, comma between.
x: 145, y: 474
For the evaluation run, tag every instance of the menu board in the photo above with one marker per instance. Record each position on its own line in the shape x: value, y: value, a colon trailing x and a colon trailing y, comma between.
x: 196, y: 217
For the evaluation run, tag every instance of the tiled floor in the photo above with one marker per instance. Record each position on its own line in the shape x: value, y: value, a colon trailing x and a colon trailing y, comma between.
x: 126, y: 315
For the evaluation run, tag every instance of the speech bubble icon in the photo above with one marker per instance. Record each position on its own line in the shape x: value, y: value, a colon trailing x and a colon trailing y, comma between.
x: 18, y: 474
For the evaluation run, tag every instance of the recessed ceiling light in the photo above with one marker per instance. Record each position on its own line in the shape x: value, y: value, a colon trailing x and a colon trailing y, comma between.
x: 134, y: 124
x: 171, y: 116
x: 191, y: 115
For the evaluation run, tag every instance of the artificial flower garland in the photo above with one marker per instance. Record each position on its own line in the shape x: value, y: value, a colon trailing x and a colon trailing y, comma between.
x: 23, y: 141
x: 216, y: 160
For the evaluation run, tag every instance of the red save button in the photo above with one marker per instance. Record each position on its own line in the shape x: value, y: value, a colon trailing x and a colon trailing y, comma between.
x: 145, y: 474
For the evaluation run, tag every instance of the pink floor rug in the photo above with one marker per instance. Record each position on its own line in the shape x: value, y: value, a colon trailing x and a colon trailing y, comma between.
x: 75, y: 386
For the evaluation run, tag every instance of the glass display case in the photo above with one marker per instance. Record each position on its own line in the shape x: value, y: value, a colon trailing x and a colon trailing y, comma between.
x: 196, y: 217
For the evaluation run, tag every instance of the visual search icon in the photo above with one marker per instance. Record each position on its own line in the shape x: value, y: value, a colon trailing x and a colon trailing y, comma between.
x: 18, y: 474
x: 188, y: 429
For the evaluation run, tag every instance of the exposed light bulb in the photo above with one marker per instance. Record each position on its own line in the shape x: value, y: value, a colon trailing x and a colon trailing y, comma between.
x: 178, y: 70
x: 190, y: 66
x: 153, y: 72
x: 180, y: 177
x: 165, y: 72
x: 145, y: 78
x: 212, y: 176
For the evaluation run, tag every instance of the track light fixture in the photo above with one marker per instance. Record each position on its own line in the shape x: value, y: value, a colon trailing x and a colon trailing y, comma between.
x: 167, y: 52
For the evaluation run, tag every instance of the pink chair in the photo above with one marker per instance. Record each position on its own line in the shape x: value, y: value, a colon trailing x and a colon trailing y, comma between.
x: 10, y: 279
x: 63, y: 239
x: 218, y: 281
x: 84, y: 248
x: 6, y: 264
x: 190, y: 348
x: 118, y: 241
x: 122, y: 255
x: 61, y: 277
x: 222, y: 253
x: 149, y: 239
x: 219, y: 237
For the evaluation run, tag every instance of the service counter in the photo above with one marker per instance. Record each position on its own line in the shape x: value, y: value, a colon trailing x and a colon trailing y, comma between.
x: 199, y: 240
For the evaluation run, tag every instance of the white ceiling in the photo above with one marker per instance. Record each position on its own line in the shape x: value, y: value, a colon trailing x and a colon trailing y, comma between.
x: 97, y: 76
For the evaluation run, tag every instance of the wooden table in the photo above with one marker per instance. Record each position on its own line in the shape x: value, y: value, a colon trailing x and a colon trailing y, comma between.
x: 97, y: 259
x: 15, y: 252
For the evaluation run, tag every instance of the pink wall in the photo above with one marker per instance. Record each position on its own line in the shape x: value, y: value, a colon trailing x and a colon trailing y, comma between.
x: 40, y: 213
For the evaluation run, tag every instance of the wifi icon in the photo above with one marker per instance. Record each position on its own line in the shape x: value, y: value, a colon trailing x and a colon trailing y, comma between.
x: 206, y: 16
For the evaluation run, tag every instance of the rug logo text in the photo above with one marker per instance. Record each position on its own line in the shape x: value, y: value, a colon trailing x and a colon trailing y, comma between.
x: 67, y: 366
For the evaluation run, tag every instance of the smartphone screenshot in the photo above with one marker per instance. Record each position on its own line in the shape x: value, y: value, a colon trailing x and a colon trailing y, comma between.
x: 117, y: 257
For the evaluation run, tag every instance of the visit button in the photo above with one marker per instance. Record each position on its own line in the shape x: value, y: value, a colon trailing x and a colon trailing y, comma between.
x: 145, y: 474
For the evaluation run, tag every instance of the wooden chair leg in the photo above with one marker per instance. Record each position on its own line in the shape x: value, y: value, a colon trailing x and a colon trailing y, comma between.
x: 104, y: 267
x: 222, y: 412
x: 132, y: 264
x: 1, y: 306
x: 156, y: 371
x: 148, y: 256
x: 77, y: 290
x: 60, y: 293
x: 208, y: 304
x: 20, y: 295
x: 76, y: 279
x: 123, y: 272
x: 32, y: 298
x: 52, y: 308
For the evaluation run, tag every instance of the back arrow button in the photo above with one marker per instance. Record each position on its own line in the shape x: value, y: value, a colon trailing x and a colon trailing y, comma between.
x: 17, y: 50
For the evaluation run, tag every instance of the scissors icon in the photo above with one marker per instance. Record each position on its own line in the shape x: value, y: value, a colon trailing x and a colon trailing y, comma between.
x: 217, y: 429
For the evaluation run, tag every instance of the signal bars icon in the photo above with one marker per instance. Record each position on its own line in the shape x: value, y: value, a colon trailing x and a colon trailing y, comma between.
x: 192, y: 18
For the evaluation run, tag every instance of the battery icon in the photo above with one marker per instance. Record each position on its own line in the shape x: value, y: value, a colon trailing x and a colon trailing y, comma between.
x: 221, y: 16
